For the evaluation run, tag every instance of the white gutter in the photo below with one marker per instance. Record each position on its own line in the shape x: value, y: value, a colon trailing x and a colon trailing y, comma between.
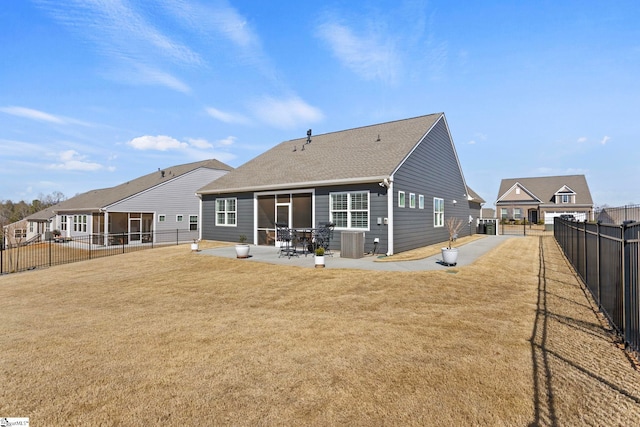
x: 290, y: 185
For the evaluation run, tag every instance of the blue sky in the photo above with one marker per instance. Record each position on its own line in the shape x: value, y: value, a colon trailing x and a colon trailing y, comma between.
x: 95, y: 93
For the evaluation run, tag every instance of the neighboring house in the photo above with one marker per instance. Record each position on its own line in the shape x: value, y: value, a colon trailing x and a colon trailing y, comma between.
x: 487, y: 213
x: 141, y: 209
x: 544, y: 198
x: 29, y: 229
x: 397, y: 182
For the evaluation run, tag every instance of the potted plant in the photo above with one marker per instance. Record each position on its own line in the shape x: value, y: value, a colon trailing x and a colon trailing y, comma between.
x: 194, y: 245
x: 242, y: 248
x: 319, y: 258
x: 450, y: 254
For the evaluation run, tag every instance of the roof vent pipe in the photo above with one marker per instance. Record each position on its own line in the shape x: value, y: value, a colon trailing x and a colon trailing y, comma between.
x: 309, y: 136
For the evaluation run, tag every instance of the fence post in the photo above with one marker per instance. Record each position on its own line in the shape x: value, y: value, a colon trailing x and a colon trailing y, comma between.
x: 584, y: 255
x: 177, y: 236
x: 623, y: 281
x: 2, y: 255
x: 598, y: 262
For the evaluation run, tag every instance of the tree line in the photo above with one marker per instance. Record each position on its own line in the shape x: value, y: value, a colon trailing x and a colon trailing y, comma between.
x: 11, y: 212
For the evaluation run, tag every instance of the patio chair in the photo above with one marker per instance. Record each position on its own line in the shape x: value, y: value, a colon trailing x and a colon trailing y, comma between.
x: 323, y: 237
x: 287, y: 239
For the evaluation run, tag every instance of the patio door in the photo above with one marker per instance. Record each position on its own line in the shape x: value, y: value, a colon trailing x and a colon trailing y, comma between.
x: 135, y: 226
x: 282, y: 214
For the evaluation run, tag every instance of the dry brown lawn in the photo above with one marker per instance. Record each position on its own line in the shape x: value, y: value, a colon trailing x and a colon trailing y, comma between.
x: 170, y: 337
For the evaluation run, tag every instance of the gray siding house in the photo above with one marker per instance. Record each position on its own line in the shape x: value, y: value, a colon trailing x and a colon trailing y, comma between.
x: 141, y: 210
x: 397, y: 182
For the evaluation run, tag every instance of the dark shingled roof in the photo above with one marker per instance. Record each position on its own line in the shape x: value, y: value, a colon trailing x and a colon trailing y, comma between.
x: 362, y: 154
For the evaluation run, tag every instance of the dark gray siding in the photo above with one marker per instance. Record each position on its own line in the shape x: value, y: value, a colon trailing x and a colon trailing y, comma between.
x: 244, y: 221
x: 431, y: 170
x: 377, y: 209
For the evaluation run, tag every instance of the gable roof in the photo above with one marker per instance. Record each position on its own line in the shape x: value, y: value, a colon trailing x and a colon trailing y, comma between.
x: 363, y: 154
x: 96, y: 199
x: 544, y: 188
x: 474, y: 197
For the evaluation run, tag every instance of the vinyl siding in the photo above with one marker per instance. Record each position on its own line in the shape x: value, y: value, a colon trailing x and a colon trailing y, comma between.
x: 172, y: 198
x: 244, y: 218
x: 377, y: 209
x: 432, y: 170
x: 245, y: 214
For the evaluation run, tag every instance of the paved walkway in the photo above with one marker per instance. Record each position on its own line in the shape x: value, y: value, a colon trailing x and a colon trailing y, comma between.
x: 467, y: 254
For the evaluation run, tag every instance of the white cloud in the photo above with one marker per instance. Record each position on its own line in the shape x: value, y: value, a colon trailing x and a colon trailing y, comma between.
x: 582, y: 139
x: 123, y: 32
x: 72, y: 160
x: 605, y: 140
x: 368, y: 55
x: 159, y: 143
x: 472, y: 142
x: 30, y: 113
x: 200, y: 143
x: 224, y: 116
x: 285, y: 113
x: 226, y: 142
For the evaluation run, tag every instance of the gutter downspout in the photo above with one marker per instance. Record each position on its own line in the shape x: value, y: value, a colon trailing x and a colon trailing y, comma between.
x: 199, y: 196
x: 390, y: 217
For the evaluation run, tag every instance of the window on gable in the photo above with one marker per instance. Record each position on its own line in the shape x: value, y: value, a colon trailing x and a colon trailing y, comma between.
x: 421, y: 201
x: 349, y: 210
x: 401, y: 198
x: 438, y: 212
x: 566, y: 198
x: 412, y: 200
x: 226, y: 211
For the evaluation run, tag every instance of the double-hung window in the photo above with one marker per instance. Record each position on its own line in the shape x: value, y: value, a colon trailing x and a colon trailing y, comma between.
x: 193, y: 222
x: 350, y: 210
x: 226, y: 211
x: 80, y: 223
x: 438, y: 212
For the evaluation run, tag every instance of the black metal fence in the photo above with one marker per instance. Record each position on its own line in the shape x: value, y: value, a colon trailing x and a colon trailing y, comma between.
x: 56, y: 251
x: 606, y: 257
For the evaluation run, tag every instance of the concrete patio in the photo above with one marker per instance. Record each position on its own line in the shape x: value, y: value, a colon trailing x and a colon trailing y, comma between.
x: 468, y: 253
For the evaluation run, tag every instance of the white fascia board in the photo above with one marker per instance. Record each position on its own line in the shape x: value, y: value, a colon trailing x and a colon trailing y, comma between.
x: 295, y: 185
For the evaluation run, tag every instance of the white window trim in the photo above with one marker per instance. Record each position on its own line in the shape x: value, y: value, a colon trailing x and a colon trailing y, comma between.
x: 412, y: 200
x: 349, y: 210
x: 226, y: 212
x: 162, y: 218
x: 421, y: 201
x: 438, y: 214
x: 401, y: 199
x: 196, y: 222
x: 179, y: 218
